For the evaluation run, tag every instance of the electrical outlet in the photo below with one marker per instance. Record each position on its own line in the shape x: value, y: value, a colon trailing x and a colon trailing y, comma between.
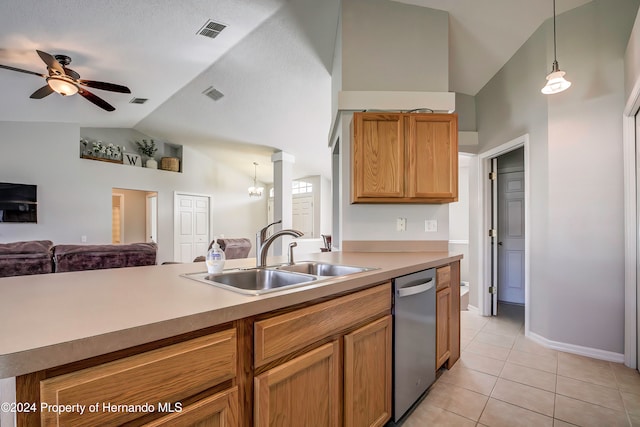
x: 430, y: 225
x: 401, y: 224
x: 83, y: 239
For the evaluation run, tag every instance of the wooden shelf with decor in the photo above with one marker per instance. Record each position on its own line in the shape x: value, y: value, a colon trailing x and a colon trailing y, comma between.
x: 101, y: 159
x: 170, y: 160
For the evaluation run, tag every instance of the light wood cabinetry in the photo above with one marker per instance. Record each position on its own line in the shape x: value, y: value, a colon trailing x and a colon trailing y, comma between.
x: 345, y: 381
x: 302, y: 392
x: 367, y: 374
x: 280, y: 335
x: 448, y: 314
x: 443, y: 335
x: 135, y: 386
x: 404, y: 158
x: 219, y: 410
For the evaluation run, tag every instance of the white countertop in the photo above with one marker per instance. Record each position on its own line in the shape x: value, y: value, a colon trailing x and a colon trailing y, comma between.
x: 49, y: 320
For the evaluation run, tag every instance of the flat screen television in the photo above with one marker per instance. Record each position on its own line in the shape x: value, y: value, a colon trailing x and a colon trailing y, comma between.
x: 18, y: 202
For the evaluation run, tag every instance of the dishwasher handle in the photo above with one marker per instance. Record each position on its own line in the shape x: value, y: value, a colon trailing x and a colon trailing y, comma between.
x: 417, y: 289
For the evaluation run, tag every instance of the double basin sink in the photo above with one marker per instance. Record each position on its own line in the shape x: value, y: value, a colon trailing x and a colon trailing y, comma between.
x: 257, y: 281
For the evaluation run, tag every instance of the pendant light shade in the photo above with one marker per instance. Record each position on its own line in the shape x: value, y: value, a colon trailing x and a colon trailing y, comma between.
x: 555, y: 79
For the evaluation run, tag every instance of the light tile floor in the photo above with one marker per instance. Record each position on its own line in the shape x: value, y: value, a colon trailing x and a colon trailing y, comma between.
x: 506, y: 379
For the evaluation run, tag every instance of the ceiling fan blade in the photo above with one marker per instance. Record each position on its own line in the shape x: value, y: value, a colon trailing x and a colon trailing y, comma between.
x: 51, y: 62
x: 96, y: 100
x: 20, y: 70
x: 42, y: 92
x: 105, y: 86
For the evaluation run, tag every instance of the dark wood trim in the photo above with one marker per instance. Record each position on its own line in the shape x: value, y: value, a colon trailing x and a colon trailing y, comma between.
x: 28, y: 391
x: 245, y: 371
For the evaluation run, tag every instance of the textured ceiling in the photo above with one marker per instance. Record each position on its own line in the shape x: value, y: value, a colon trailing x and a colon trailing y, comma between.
x: 272, y: 63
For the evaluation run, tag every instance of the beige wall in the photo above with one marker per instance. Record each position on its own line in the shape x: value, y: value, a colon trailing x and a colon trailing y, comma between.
x: 576, y: 227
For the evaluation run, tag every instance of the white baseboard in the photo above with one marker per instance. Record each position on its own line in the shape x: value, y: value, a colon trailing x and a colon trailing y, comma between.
x: 473, y: 309
x: 594, y: 353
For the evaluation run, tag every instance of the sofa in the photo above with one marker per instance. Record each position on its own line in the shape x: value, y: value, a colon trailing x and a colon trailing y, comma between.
x: 24, y: 258
x: 232, y: 248
x: 41, y: 256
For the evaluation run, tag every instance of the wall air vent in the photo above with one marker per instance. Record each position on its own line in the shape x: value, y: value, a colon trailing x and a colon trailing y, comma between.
x: 138, y: 100
x: 213, y: 93
x: 211, y: 29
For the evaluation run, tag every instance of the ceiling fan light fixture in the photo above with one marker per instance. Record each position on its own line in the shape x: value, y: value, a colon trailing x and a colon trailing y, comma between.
x: 556, y: 82
x: 62, y: 85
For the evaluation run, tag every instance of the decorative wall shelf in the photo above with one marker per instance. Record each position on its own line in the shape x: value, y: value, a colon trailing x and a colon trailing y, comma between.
x: 101, y: 159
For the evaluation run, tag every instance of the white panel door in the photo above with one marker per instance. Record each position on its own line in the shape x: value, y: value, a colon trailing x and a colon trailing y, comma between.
x: 201, y: 226
x: 303, y: 215
x: 191, y: 227
x: 151, y: 222
x: 511, y: 237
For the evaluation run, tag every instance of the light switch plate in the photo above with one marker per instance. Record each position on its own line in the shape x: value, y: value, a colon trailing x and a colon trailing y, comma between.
x: 430, y: 225
x: 401, y: 224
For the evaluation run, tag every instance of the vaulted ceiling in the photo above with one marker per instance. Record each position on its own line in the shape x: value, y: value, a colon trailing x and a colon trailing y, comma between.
x: 272, y: 63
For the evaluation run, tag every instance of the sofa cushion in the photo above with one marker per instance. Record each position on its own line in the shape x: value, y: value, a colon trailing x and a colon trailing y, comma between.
x: 234, y: 248
x: 24, y: 258
x: 96, y: 257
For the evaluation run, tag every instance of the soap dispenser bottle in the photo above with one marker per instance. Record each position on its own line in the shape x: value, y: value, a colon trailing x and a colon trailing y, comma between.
x: 215, y: 258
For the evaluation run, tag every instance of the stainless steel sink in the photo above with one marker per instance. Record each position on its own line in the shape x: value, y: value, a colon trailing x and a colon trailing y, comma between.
x: 255, y: 281
x: 323, y: 268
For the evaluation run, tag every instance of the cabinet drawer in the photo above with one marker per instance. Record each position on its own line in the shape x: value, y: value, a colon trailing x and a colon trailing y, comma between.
x: 164, y: 375
x: 443, y: 277
x: 219, y: 410
x: 281, y: 335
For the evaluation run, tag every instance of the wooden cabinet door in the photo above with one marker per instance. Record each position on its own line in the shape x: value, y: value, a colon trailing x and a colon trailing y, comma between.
x: 219, y: 410
x: 378, y: 154
x: 304, y: 391
x: 367, y: 375
x: 443, y: 335
x: 433, y: 157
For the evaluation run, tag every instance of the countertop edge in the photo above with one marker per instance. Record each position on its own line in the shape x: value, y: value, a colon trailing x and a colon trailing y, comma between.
x: 40, y: 358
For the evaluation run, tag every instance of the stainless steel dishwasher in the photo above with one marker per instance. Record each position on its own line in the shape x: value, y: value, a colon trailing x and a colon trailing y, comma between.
x: 414, y: 327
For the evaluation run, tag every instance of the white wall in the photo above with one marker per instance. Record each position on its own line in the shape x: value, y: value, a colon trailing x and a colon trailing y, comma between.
x: 378, y: 221
x: 459, y: 218
x: 74, y: 194
x: 576, y: 225
x: 393, y: 46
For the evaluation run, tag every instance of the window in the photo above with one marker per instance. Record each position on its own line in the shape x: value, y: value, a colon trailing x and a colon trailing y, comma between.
x: 301, y: 187
x: 297, y: 187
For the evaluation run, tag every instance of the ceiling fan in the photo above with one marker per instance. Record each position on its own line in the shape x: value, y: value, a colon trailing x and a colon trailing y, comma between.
x: 66, y: 82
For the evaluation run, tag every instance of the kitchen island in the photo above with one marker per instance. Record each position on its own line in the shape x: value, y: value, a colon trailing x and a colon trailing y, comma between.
x: 54, y: 328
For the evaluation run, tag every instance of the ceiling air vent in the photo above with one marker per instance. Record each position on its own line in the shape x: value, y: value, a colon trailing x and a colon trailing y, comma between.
x: 211, y: 29
x: 138, y: 100
x: 213, y: 93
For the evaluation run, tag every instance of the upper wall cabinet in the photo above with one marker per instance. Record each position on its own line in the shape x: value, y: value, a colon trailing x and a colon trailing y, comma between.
x: 404, y: 158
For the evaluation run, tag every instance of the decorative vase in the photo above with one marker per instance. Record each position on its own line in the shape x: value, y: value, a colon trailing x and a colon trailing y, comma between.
x: 151, y: 164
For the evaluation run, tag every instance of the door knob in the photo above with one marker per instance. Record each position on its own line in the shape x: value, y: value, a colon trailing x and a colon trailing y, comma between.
x: 499, y: 243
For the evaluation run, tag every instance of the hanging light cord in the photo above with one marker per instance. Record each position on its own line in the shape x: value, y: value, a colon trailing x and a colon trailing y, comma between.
x: 555, y: 54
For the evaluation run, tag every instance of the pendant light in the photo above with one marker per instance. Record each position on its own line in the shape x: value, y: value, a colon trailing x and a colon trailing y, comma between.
x: 254, y: 190
x: 555, y: 79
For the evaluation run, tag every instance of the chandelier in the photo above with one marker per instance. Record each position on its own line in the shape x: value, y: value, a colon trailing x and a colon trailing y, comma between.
x: 254, y: 190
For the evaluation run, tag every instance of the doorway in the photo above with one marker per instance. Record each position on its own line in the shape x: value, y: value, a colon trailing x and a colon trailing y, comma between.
x: 510, y: 226
x: 134, y: 216
x: 503, y: 238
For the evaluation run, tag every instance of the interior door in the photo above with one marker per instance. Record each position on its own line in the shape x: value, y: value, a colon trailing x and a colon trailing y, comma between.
x: 493, y: 233
x: 303, y: 215
x: 191, y: 227
x: 151, y: 223
x: 511, y: 237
